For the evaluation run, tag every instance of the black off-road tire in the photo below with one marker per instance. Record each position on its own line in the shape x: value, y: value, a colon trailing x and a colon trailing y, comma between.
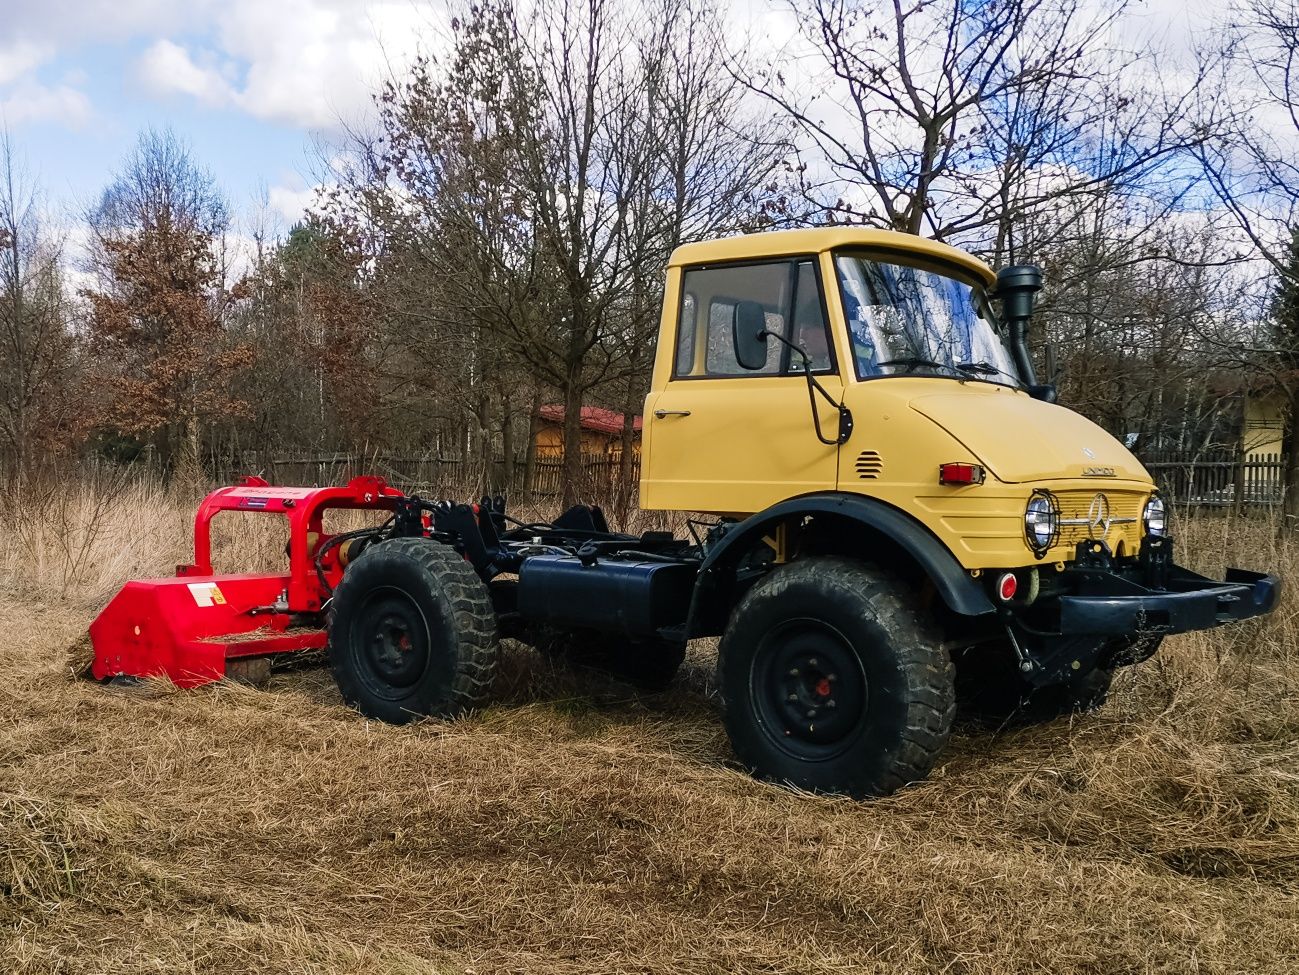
x: 650, y: 665
x: 412, y: 633
x: 833, y: 681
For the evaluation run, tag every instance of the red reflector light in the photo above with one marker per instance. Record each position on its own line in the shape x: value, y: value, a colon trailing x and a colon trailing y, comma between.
x: 960, y: 474
x: 1007, y: 586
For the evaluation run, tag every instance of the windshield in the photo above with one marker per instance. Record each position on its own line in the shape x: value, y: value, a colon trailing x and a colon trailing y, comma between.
x: 909, y: 320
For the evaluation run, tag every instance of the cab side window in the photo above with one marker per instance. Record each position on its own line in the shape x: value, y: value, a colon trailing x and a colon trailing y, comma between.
x: 791, y: 301
x: 811, y: 333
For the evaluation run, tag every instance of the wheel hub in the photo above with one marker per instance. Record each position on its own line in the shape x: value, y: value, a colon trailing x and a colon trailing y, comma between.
x: 393, y: 640
x: 810, y: 688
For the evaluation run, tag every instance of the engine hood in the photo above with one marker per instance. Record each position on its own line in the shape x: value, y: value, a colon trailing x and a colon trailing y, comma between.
x: 1022, y: 439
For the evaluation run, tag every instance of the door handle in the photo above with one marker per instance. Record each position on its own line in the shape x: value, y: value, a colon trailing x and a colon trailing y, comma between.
x: 662, y: 413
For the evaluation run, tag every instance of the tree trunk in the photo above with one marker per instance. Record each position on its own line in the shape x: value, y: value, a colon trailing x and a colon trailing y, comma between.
x: 530, y: 458
x: 191, y: 461
x: 573, y: 471
x: 507, y: 445
x: 626, y: 483
x: 481, y: 450
x: 1291, y: 446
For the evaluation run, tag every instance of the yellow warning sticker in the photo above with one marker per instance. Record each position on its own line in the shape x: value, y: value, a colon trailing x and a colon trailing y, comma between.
x: 207, y: 594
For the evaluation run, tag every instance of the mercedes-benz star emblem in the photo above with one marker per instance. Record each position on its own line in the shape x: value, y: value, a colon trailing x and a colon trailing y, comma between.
x: 1098, y: 517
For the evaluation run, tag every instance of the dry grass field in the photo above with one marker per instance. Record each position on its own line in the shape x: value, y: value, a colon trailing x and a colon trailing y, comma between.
x: 574, y: 827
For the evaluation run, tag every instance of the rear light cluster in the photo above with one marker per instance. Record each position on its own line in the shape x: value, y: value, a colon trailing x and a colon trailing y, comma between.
x: 961, y: 474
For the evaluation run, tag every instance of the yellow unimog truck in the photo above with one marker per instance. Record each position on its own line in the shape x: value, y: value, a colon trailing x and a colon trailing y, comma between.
x: 889, y: 509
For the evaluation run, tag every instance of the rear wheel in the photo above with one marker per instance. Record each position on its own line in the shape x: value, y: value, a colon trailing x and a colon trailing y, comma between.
x: 413, y: 632
x: 832, y: 681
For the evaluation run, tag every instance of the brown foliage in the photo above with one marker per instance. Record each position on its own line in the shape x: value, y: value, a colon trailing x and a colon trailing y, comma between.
x: 160, y: 328
x: 156, y: 320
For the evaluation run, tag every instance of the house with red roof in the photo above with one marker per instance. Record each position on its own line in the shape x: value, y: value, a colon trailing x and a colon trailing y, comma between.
x: 601, y: 432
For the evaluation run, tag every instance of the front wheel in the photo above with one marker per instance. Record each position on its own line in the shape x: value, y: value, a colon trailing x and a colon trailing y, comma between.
x: 832, y: 681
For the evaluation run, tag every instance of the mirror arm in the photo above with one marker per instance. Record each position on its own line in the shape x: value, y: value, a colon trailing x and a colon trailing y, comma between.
x: 814, y: 387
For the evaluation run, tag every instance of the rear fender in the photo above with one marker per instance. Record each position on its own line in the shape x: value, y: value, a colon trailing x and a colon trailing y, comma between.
x: 861, y: 527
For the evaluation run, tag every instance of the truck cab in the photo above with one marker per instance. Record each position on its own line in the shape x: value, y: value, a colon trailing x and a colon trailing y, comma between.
x: 918, y: 371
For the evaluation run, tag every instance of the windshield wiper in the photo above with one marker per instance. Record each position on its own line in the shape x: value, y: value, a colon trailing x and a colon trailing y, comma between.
x: 984, y: 369
x: 914, y: 362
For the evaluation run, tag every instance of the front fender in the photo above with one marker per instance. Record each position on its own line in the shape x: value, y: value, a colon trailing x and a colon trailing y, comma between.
x: 710, y: 602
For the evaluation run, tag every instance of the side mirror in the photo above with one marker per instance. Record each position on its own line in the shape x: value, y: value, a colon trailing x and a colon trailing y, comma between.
x: 1049, y: 362
x: 1047, y: 392
x: 748, y: 333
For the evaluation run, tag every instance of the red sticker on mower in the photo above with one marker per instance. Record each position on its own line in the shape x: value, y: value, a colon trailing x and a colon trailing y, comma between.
x: 207, y: 594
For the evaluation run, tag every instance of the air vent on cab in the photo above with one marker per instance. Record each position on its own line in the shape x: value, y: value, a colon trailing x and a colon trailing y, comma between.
x: 869, y: 465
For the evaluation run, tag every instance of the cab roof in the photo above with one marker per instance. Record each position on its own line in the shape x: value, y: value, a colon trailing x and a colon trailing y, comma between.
x: 783, y: 243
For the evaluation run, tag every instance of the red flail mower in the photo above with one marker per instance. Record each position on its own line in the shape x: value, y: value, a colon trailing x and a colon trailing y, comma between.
x: 200, y: 626
x: 411, y: 609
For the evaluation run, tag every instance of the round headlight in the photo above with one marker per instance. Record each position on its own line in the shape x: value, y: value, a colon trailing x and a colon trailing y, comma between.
x: 1041, y: 522
x: 1155, y: 517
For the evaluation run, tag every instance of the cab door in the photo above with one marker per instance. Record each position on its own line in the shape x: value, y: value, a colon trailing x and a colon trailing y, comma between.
x: 724, y: 439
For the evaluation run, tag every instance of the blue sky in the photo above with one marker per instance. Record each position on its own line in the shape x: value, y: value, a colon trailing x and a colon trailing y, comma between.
x: 254, y: 86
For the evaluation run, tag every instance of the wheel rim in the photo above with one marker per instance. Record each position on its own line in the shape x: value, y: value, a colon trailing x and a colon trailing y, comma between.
x: 391, y: 640
x: 809, y: 689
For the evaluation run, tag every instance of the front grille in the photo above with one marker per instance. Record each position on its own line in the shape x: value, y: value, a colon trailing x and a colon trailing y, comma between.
x: 1125, y: 518
x: 869, y: 465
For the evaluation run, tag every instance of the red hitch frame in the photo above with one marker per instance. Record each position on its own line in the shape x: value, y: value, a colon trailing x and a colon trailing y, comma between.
x: 188, y: 628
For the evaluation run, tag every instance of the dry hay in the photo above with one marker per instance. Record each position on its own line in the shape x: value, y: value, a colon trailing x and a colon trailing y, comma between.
x: 574, y: 827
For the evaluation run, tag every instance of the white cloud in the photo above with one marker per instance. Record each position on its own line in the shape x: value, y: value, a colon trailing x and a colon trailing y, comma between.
x: 303, y: 63
x: 306, y: 63
x: 60, y: 23
x: 30, y: 101
x: 166, y: 67
x: 290, y: 203
x: 20, y: 57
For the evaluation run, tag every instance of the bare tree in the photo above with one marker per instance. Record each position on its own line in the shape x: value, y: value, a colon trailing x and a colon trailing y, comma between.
x: 1254, y: 171
x: 531, y: 188
x: 35, y: 343
x: 957, y: 117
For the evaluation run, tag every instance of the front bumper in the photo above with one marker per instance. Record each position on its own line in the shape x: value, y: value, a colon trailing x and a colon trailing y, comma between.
x: 1186, y: 602
x: 1107, y: 612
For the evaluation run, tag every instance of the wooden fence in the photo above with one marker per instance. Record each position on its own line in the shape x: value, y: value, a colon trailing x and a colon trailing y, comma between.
x: 432, y: 476
x: 1211, y: 479
x: 1218, y: 479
